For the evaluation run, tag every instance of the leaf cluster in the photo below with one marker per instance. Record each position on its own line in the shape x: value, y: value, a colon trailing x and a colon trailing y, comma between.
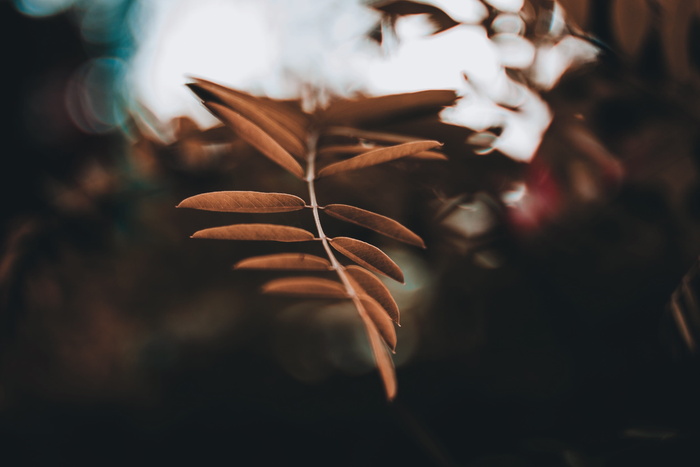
x: 311, y: 146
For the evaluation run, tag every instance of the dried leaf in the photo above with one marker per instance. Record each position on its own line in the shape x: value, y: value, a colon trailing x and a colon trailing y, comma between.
x: 378, y: 156
x: 368, y: 256
x: 289, y: 261
x: 278, y: 233
x: 256, y: 137
x: 243, y: 201
x: 252, y: 111
x: 372, y: 286
x: 294, y: 120
x: 382, y: 224
x: 382, y: 358
x: 380, y: 319
x: 428, y: 156
x: 314, y: 287
x: 631, y: 21
x: 385, y: 108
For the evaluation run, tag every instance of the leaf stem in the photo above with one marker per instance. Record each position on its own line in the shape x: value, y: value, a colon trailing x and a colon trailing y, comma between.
x: 310, y: 178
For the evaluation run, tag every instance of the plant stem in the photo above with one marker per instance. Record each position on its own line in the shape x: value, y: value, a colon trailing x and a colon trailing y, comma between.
x: 310, y: 180
x: 335, y: 264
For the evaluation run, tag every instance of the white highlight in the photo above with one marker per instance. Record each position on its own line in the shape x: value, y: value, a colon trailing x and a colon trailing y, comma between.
x: 287, y: 48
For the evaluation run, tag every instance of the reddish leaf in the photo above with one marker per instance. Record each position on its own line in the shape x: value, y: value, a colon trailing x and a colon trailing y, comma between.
x: 243, y: 201
x: 372, y: 286
x: 292, y: 261
x: 380, y: 319
x: 278, y: 233
x: 376, y: 222
x: 256, y: 137
x: 378, y: 156
x: 313, y: 287
x: 368, y: 256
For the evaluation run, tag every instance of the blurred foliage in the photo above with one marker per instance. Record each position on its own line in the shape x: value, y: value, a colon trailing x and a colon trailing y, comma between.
x: 537, y: 330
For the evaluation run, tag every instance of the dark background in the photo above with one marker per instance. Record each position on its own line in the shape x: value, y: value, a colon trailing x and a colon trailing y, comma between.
x: 125, y: 343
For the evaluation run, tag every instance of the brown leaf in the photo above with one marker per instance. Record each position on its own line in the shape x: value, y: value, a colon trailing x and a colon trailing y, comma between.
x: 372, y: 286
x: 368, y: 256
x: 313, y: 287
x: 344, y: 149
x: 381, y: 320
x: 292, y: 119
x: 389, y: 107
x: 428, y: 156
x: 631, y: 22
x: 291, y: 261
x: 378, y: 156
x: 243, y: 201
x: 252, y: 110
x: 256, y: 137
x: 382, y: 224
x: 278, y: 233
x: 382, y: 358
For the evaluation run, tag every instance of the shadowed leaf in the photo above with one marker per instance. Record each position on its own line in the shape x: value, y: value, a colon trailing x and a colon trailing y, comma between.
x: 376, y: 222
x: 252, y: 110
x: 278, y: 233
x: 243, y: 201
x: 385, y: 108
x: 374, y: 287
x: 314, y: 287
x: 378, y: 156
x: 368, y: 256
x: 382, y: 358
x: 256, y: 137
x: 381, y: 320
x: 292, y: 261
x: 291, y: 119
